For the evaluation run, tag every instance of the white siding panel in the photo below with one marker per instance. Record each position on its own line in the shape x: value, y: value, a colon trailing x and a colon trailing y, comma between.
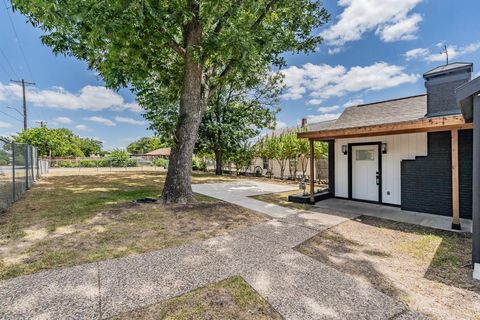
x: 400, y: 147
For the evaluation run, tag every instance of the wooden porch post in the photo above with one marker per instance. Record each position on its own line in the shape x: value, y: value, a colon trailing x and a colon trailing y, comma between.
x: 455, y: 184
x: 312, y: 172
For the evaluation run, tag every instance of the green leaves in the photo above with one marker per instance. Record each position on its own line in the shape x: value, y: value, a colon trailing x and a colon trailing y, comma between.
x: 132, y: 43
x: 60, y: 142
x: 145, y: 145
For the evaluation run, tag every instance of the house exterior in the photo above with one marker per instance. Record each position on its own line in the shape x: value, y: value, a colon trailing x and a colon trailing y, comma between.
x: 413, y: 152
x: 159, y: 153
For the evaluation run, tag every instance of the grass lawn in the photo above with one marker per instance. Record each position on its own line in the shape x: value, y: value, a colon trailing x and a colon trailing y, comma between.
x: 231, y: 299
x: 426, y: 269
x: 66, y: 220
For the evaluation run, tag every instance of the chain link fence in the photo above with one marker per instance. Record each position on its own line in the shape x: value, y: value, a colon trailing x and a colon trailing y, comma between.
x: 105, y: 164
x: 20, y: 167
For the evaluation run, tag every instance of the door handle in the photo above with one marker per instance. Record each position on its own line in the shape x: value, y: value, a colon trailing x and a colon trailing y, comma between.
x: 378, y: 178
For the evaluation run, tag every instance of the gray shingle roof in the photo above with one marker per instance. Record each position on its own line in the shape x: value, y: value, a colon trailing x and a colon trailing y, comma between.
x: 324, y: 125
x: 390, y: 111
x: 448, y: 67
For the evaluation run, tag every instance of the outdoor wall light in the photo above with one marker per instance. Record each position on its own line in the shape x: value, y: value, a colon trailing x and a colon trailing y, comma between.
x: 384, y: 148
x: 345, y: 149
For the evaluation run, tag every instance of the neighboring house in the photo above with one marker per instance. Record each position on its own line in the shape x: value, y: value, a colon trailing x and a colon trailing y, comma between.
x: 158, y: 153
x: 413, y: 152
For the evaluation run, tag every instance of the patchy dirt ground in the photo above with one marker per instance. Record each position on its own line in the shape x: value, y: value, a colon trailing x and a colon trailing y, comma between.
x: 69, y: 220
x: 426, y: 269
x: 230, y: 299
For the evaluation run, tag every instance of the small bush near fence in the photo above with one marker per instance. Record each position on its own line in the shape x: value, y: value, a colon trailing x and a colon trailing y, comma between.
x: 100, y: 163
x: 198, y: 164
x: 160, y: 162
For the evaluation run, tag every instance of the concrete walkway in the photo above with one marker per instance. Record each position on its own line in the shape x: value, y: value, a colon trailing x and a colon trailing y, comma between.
x: 297, y: 286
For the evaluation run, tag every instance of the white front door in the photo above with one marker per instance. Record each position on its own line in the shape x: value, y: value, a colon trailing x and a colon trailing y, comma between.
x: 364, y: 172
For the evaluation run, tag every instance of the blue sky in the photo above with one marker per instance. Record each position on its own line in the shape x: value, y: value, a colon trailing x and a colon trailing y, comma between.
x: 373, y: 50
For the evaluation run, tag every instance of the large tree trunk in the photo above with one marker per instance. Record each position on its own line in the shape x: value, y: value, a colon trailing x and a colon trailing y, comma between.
x: 193, y: 101
x: 218, y: 162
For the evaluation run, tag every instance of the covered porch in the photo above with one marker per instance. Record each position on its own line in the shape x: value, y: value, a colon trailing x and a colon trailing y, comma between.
x: 450, y: 124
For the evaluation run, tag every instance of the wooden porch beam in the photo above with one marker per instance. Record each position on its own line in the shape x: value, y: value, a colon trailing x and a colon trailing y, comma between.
x: 455, y: 182
x: 312, y: 172
x: 414, y: 126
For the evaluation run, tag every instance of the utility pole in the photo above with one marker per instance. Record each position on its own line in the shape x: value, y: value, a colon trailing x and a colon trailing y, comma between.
x: 43, y: 124
x: 24, y: 83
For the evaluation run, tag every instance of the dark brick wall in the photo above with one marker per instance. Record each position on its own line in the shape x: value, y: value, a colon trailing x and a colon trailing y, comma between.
x: 441, y: 97
x: 427, y: 181
x: 465, y: 156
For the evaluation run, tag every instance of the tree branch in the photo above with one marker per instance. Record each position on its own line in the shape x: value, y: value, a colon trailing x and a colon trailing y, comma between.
x: 228, y: 68
x: 172, y: 44
x: 177, y: 48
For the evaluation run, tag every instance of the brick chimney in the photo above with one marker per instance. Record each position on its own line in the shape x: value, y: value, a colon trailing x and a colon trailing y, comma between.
x: 441, y: 83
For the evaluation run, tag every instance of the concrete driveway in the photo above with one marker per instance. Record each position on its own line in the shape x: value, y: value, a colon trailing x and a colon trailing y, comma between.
x: 239, y: 193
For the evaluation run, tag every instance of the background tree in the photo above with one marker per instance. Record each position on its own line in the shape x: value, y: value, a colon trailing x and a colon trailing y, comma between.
x: 282, y: 153
x: 145, y: 145
x: 236, y: 115
x: 181, y: 50
x: 90, y: 146
x: 241, y: 157
x: 52, y: 142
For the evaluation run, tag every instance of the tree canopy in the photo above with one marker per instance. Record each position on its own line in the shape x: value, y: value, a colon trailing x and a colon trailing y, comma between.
x: 59, y: 142
x: 145, y: 145
x: 179, y: 50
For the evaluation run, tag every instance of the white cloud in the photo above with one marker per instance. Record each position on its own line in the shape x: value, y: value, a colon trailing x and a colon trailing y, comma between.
x: 63, y: 120
x: 93, y: 98
x: 130, y: 121
x: 416, y: 53
x: 391, y: 19
x: 101, y: 120
x: 315, y: 102
x: 353, y: 102
x: 404, y: 29
x: 328, y: 109
x: 280, y: 125
x: 322, y: 117
x: 325, y: 81
x: 5, y: 125
x: 83, y: 127
x: 335, y: 50
x: 454, y: 51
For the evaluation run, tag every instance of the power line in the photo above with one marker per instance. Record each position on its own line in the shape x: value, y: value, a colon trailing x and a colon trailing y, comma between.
x: 5, y: 70
x: 8, y: 63
x: 8, y: 115
x: 18, y: 39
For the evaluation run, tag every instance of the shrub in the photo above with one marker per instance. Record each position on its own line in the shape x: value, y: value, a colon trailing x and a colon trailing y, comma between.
x: 67, y: 164
x: 198, y: 164
x: 3, y: 162
x: 88, y: 163
x: 160, y: 162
